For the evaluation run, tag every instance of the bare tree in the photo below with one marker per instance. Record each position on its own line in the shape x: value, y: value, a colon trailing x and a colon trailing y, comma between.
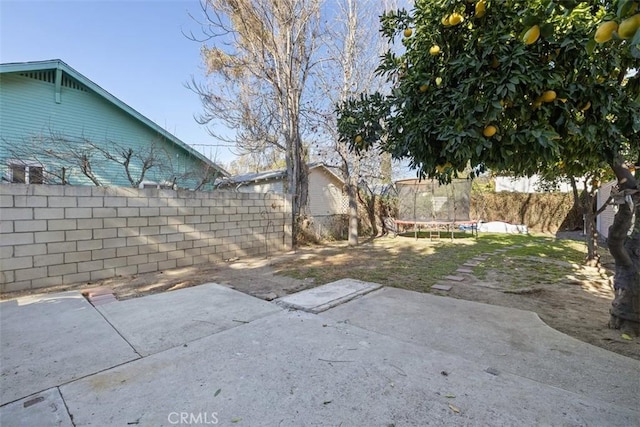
x: 352, y: 43
x: 60, y: 157
x: 259, y: 60
x: 256, y: 162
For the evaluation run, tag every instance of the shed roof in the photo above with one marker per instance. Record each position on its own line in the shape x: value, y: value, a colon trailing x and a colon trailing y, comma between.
x: 58, y: 64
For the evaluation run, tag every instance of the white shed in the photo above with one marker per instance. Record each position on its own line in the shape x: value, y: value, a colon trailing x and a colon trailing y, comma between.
x: 327, y: 199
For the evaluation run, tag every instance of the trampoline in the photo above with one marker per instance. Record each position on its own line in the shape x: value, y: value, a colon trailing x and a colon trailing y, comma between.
x: 434, y: 208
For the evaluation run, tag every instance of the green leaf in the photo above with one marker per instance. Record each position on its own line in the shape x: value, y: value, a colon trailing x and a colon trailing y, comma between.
x: 636, y: 38
x: 624, y: 6
x: 546, y: 30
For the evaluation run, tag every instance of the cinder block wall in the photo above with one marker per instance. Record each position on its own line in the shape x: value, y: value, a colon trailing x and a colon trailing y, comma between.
x: 53, y: 235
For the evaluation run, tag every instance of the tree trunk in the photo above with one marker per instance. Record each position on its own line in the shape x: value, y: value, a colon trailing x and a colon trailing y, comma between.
x: 591, y: 231
x: 625, y: 249
x: 586, y: 206
x: 353, y: 213
x: 371, y: 211
x: 297, y: 181
x: 591, y: 237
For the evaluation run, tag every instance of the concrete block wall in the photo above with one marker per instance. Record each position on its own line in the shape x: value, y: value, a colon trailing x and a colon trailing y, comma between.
x: 53, y: 235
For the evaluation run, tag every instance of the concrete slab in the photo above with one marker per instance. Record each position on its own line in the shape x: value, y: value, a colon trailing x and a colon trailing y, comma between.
x: 471, y: 263
x: 296, y: 369
x: 440, y: 287
x: 42, y: 409
x: 321, y: 298
x: 48, y: 340
x: 464, y: 270
x: 161, y: 321
x: 509, y: 340
x: 455, y: 278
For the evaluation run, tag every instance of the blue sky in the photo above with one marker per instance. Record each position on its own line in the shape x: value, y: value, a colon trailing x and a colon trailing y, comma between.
x: 133, y: 49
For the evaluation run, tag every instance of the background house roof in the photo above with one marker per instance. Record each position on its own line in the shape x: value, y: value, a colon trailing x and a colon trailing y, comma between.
x: 269, y: 175
x: 57, y: 64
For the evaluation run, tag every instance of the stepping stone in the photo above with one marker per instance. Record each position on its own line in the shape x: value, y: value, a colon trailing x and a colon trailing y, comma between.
x: 501, y: 250
x: 455, y: 278
x: 321, y: 298
x: 464, y: 270
x: 480, y: 258
x: 471, y: 263
x: 441, y: 287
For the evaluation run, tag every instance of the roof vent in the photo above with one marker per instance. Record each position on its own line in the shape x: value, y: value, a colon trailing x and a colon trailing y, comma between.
x: 73, y: 83
x: 48, y: 76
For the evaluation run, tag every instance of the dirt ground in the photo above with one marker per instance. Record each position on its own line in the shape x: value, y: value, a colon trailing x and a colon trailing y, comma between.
x: 578, y: 306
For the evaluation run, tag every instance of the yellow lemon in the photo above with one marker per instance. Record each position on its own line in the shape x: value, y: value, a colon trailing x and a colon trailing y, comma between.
x: 489, y: 131
x: 628, y: 27
x: 455, y: 18
x: 586, y: 106
x: 438, y: 81
x: 424, y: 88
x: 481, y: 8
x: 445, y: 21
x: 536, y: 104
x: 532, y: 35
x: 435, y: 49
x: 359, y: 139
x: 548, y: 96
x: 408, y: 32
x: 605, y: 31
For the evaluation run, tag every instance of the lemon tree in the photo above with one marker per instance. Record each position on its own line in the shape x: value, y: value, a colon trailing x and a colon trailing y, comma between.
x: 516, y: 86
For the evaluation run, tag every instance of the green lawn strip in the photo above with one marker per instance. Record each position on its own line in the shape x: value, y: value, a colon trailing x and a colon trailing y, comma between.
x: 405, y: 262
x: 539, y: 261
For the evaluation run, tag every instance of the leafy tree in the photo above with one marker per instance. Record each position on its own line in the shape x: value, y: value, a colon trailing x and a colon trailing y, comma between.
x: 518, y: 86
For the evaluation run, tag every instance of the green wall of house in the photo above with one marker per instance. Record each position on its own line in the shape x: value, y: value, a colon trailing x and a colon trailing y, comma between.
x: 30, y: 116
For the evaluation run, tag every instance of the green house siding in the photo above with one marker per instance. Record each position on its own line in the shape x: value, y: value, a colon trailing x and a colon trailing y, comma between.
x: 35, y: 116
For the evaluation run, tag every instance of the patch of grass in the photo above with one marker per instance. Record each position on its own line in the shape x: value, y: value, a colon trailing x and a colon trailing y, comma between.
x: 539, y: 261
x: 413, y: 264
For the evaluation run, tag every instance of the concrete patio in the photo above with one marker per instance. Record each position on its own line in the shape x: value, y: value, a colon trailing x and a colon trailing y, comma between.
x: 349, y: 353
